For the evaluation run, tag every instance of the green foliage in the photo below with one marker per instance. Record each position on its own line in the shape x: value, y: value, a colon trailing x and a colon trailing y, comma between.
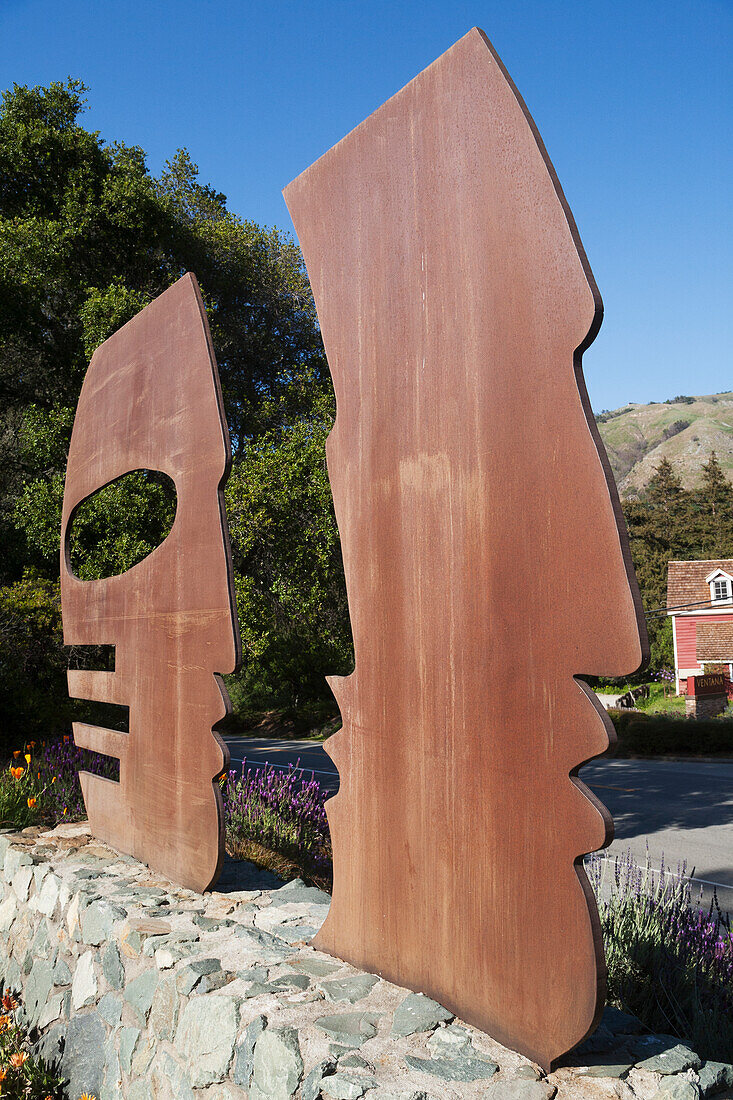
x: 87, y: 238
x: 289, y: 574
x: 669, y: 958
x: 121, y: 524
x: 23, y: 1075
x: 641, y: 734
x: 33, y: 698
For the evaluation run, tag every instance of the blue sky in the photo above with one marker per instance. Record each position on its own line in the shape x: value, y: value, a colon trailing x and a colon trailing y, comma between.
x: 633, y: 98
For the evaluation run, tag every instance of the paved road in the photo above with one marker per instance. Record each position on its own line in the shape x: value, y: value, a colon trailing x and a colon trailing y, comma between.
x: 683, y: 810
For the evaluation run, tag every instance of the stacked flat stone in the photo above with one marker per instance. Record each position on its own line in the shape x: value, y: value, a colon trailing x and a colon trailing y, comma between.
x: 146, y: 991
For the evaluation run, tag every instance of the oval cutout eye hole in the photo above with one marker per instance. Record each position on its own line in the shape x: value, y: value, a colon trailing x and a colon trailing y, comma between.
x: 119, y: 525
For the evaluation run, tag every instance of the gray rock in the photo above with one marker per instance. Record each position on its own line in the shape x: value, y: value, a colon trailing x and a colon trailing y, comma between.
x: 61, y: 973
x: 164, y: 1009
x: 253, y: 974
x: 295, y: 933
x: 50, y: 1011
x: 289, y: 981
x: 675, y: 1059
x: 83, y: 1057
x: 604, y: 1065
x: 277, y: 1065
x: 98, y: 920
x: 48, y: 898
x: 112, y: 967
x: 112, y: 1087
x: 84, y: 986
x: 311, y: 1087
x: 353, y: 1060
x: 140, y: 1090
x: 448, y: 1042
x: 8, y: 911
x: 190, y: 975
x: 41, y: 946
x: 167, y: 957
x: 347, y: 1086
x: 410, y: 1094
x: 139, y: 994
x: 205, y: 1037
x: 527, y: 1073
x: 110, y: 1009
x: 714, y: 1077
x: 210, y: 982
x: 520, y: 1090
x: 257, y: 989
x: 128, y: 1038
x: 621, y: 1023
x: 37, y: 989
x: 50, y: 1044
x: 677, y: 1088
x: 15, y: 858
x: 352, y: 989
x: 350, y: 1028
x: 244, y: 1053
x: 600, y: 1042
x: 13, y: 977
x: 212, y: 924
x: 22, y: 882
x: 170, y: 1081
x: 315, y: 968
x: 296, y: 892
x: 458, y: 1068
x: 143, y: 1054
x: 418, y: 1013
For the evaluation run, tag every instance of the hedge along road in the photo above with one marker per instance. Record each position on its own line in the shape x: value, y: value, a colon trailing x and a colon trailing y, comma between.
x: 681, y: 809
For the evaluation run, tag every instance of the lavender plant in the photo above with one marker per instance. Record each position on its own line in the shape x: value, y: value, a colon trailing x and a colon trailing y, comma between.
x: 669, y: 957
x: 281, y: 811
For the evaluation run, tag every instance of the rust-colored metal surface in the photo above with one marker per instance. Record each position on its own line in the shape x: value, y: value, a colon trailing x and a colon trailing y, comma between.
x: 485, y: 555
x: 151, y: 400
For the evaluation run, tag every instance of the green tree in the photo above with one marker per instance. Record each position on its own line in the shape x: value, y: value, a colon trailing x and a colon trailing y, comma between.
x: 87, y: 238
x: 714, y: 500
x: 289, y: 573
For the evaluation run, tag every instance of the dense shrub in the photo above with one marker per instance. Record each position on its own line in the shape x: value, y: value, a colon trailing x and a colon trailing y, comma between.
x: 659, y: 735
x: 34, y: 701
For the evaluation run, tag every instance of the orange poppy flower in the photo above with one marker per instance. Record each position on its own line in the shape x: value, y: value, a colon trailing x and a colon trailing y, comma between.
x: 9, y: 1003
x: 32, y: 803
x: 17, y: 753
x: 3, y: 1075
x: 31, y: 744
x: 27, y: 758
x: 16, y: 772
x: 4, y: 1023
x: 17, y: 1059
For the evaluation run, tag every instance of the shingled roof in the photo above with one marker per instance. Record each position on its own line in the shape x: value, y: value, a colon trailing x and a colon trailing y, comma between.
x: 686, y: 581
x: 714, y: 641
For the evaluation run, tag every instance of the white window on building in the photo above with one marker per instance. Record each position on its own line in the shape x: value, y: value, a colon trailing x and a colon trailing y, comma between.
x: 721, y: 587
x: 721, y: 590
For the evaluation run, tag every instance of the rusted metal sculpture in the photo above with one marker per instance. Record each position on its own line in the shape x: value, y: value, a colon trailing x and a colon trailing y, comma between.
x: 485, y: 555
x: 151, y: 400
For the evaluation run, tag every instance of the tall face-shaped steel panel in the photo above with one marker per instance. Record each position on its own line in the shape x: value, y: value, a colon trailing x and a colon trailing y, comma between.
x: 485, y: 556
x: 151, y: 400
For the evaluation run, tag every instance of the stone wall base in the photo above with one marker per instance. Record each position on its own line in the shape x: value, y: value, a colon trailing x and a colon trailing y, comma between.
x: 145, y: 991
x: 705, y: 706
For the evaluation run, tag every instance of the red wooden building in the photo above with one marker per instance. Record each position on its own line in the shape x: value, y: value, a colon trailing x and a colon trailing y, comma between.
x: 700, y: 603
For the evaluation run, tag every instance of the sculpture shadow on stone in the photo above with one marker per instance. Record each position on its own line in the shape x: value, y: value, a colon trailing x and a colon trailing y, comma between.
x: 151, y: 400
x: 486, y: 559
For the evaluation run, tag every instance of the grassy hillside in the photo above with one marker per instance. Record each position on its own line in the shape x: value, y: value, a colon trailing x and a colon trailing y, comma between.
x: 686, y: 431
